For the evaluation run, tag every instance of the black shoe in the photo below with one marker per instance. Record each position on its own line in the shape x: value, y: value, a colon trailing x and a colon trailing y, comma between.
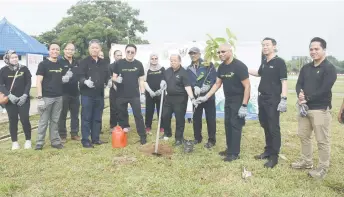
x: 231, y: 158
x: 143, y: 140
x: 57, y: 146
x: 197, y: 142
x: 262, y: 156
x: 273, y: 161
x: 87, y: 145
x: 39, y: 147
x: 178, y: 142
x: 99, y: 142
x: 208, y: 145
x: 223, y: 153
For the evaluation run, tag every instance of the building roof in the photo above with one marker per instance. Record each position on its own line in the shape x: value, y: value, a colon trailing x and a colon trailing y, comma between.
x: 13, y: 38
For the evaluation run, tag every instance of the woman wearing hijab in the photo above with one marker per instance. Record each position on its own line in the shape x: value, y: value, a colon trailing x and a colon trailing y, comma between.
x: 15, y: 82
x: 154, y: 75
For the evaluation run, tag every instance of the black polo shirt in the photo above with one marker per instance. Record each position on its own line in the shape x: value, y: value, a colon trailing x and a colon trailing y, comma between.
x: 131, y: 72
x: 52, y: 78
x: 232, y: 75
x: 21, y: 85
x: 272, y: 73
x: 99, y: 73
x: 71, y: 88
x: 154, y: 78
x: 316, y: 83
x: 176, y: 81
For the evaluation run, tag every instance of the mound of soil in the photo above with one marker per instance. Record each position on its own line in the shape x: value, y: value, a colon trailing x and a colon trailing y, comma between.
x: 164, y: 150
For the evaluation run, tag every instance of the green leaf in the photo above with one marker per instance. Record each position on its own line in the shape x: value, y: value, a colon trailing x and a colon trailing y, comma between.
x: 220, y: 40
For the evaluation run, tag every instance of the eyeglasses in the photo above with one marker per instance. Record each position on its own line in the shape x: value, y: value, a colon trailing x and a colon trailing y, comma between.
x: 219, y: 52
x: 154, y: 58
x: 131, y: 52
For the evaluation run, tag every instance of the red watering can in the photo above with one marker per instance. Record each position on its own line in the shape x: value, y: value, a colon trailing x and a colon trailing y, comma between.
x: 119, y: 138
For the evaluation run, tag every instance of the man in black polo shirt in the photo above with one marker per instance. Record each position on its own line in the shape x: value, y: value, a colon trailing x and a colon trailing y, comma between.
x: 70, y: 96
x: 129, y: 78
x: 178, y: 89
x: 236, y: 87
x: 314, y: 89
x: 93, y: 74
x: 113, y: 96
x: 272, y: 99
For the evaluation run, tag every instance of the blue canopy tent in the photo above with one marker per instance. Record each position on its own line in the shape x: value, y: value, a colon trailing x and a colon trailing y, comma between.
x: 13, y: 38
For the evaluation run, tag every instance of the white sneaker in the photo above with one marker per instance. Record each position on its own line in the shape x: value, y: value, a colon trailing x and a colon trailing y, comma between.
x: 27, y: 144
x: 166, y: 138
x: 15, y: 146
x: 126, y: 130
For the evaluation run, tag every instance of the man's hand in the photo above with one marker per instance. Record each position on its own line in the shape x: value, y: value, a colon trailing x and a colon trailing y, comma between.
x: 69, y: 73
x: 282, y: 106
x: 151, y: 93
x: 301, y: 95
x: 13, y: 98
x: 41, y: 105
x: 163, y: 85
x: 242, y: 112
x: 197, y: 91
x: 205, y: 88
x: 89, y: 83
x: 158, y: 93
x: 109, y: 84
x: 65, y: 79
x: 194, y: 102
x: 142, y: 98
x: 201, y: 99
x: 119, y: 79
x: 22, y: 100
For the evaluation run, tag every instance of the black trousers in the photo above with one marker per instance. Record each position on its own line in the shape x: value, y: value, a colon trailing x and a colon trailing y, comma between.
x: 114, y: 120
x: 210, y: 114
x: 176, y: 105
x: 233, y: 125
x: 269, y: 120
x: 71, y: 104
x: 122, y: 106
x: 151, y: 105
x: 23, y: 111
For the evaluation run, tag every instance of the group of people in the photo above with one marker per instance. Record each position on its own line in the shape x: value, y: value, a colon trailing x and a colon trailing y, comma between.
x: 60, y: 82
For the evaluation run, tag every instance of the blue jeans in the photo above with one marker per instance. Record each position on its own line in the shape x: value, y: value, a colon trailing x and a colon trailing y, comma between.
x: 91, y: 116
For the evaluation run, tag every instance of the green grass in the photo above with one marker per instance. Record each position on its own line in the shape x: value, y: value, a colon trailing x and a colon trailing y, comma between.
x: 75, y: 171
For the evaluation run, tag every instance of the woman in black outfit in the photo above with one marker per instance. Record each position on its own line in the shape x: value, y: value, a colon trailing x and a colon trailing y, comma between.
x: 15, y: 82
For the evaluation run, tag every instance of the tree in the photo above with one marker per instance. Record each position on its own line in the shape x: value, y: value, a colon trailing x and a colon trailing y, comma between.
x: 214, y: 43
x: 107, y: 21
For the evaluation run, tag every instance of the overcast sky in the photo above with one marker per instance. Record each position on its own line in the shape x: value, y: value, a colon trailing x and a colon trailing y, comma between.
x: 292, y: 24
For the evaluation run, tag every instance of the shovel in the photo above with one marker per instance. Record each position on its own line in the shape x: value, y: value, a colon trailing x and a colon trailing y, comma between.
x: 158, y: 128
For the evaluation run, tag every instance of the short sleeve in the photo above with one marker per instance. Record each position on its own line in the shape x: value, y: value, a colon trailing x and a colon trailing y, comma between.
x: 28, y: 73
x: 260, y: 70
x: 283, y: 70
x: 141, y: 70
x: 242, y: 72
x: 219, y: 72
x: 186, y: 80
x: 115, y: 68
x: 40, y: 69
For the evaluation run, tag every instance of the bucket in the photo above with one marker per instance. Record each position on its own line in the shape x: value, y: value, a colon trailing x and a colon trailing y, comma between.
x: 119, y: 138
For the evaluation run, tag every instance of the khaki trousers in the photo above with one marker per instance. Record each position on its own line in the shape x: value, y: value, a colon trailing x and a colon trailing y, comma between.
x: 318, y: 121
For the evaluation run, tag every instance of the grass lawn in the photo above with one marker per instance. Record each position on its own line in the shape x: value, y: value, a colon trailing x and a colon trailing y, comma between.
x: 75, y: 171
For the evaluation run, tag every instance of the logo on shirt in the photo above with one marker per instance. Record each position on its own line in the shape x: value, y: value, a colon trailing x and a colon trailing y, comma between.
x: 230, y: 75
x: 19, y: 74
x: 318, y: 71
x: 201, y: 75
x: 271, y: 66
x: 155, y: 73
x: 56, y: 71
x: 129, y: 69
x: 66, y: 66
x: 177, y: 76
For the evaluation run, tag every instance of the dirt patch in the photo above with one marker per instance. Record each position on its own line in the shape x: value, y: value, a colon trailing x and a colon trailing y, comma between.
x: 123, y: 160
x: 164, y: 150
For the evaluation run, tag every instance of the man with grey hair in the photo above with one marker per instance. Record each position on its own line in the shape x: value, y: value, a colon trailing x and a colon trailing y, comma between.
x: 93, y: 75
x: 178, y: 88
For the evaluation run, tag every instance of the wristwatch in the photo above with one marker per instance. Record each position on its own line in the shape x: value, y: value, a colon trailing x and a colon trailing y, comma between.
x: 284, y: 97
x: 244, y: 105
x: 39, y: 97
